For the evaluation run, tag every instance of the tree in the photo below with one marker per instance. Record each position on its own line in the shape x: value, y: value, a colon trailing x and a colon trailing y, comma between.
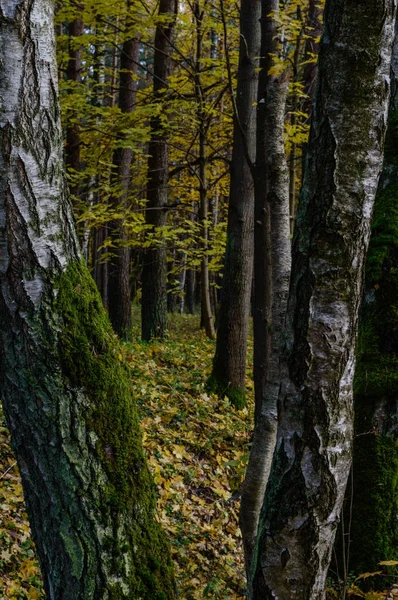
x: 271, y: 269
x: 66, y: 393
x: 375, y: 457
x: 229, y: 365
x: 154, y: 274
x: 119, y: 295
x: 313, y: 450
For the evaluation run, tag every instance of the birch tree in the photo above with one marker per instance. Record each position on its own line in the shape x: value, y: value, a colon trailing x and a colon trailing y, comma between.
x: 272, y: 261
x: 315, y: 408
x: 66, y: 395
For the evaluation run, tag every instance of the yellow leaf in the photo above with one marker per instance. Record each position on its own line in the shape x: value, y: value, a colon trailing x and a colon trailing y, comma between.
x: 366, y: 575
x: 32, y: 594
x: 120, y: 357
x: 388, y: 563
x: 28, y: 569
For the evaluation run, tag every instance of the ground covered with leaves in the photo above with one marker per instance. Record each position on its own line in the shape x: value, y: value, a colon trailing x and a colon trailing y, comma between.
x: 197, y: 447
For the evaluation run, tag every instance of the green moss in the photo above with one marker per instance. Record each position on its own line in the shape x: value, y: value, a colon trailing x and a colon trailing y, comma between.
x: 89, y: 355
x: 224, y: 389
x: 375, y: 466
x: 91, y: 359
x: 374, y: 531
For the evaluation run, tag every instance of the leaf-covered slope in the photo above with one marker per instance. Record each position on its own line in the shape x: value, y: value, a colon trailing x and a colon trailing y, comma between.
x: 197, y: 447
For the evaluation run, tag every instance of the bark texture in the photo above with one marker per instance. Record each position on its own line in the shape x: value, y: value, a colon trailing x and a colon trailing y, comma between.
x: 373, y: 535
x: 119, y: 295
x: 313, y: 451
x: 73, y: 74
x: 66, y: 395
x: 154, y: 272
x: 272, y: 260
x: 229, y: 366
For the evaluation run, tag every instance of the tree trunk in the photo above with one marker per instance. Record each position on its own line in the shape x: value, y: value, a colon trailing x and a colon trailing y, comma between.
x: 271, y: 272
x: 154, y: 272
x: 313, y: 33
x: 190, y: 291
x: 73, y: 73
x: 229, y: 366
x: 66, y: 394
x: 119, y: 297
x: 371, y: 517
x: 313, y: 451
x: 207, y: 320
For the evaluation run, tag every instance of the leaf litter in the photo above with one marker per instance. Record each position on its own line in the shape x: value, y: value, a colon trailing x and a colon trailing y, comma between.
x: 197, y: 448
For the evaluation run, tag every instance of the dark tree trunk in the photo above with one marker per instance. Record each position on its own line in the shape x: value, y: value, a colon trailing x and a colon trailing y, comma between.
x: 100, y: 263
x: 313, y: 33
x: 154, y: 272
x: 207, y: 320
x: 73, y: 73
x: 229, y: 366
x: 190, y: 291
x: 119, y: 297
x: 66, y: 395
x: 315, y: 410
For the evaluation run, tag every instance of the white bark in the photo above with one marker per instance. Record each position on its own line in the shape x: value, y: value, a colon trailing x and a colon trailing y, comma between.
x: 313, y: 451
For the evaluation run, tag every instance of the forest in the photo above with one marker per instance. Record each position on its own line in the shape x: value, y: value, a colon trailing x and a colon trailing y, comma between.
x: 198, y: 299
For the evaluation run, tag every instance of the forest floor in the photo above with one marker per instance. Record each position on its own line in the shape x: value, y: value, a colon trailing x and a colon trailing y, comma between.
x: 197, y: 446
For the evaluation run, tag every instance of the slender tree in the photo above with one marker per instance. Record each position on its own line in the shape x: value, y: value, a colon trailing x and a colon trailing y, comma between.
x: 73, y: 74
x: 229, y: 366
x: 315, y: 410
x: 119, y: 295
x: 66, y: 394
x: 271, y: 271
x: 154, y: 272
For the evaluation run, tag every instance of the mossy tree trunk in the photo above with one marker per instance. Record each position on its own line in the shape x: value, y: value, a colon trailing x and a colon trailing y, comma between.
x: 66, y: 394
x: 373, y: 535
x: 272, y: 251
x: 229, y: 366
x: 315, y: 409
x: 154, y: 272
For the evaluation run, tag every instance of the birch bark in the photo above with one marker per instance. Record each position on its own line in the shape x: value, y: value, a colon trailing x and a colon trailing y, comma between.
x: 313, y: 451
x: 272, y: 260
x: 66, y: 395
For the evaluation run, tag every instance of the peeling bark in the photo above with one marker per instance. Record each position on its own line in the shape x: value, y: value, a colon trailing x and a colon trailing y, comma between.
x: 313, y: 451
x: 66, y: 396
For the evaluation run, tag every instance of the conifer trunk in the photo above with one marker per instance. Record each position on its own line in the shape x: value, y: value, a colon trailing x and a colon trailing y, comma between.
x: 119, y: 295
x: 229, y: 366
x: 315, y: 409
x: 154, y: 272
x: 66, y: 394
